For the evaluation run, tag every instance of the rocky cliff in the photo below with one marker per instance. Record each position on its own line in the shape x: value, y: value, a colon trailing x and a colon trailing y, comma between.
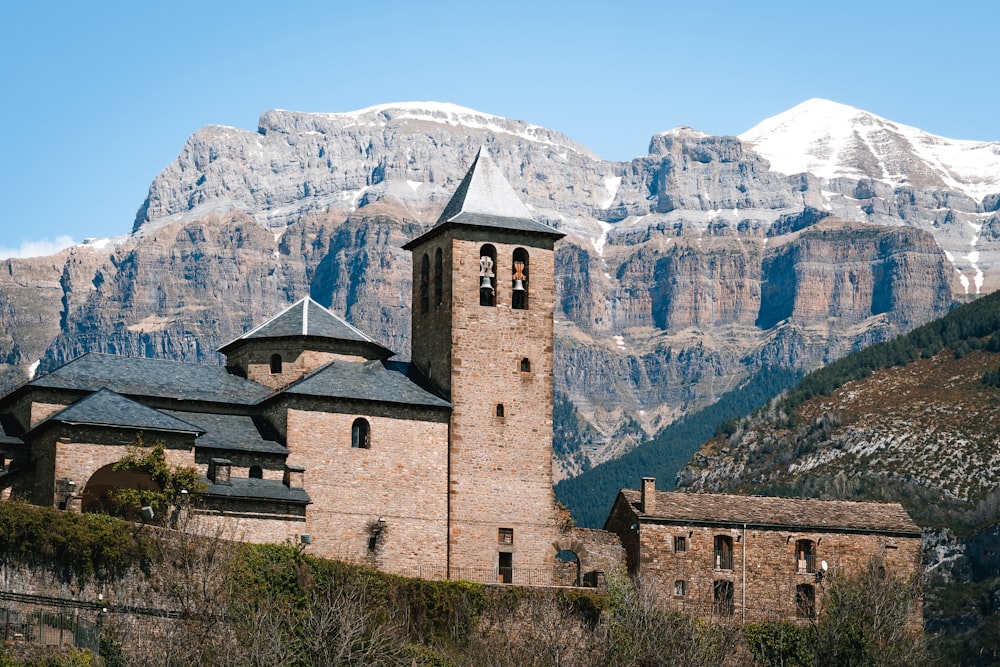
x: 682, y: 271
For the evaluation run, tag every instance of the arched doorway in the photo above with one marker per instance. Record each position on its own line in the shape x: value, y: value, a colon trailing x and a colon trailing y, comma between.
x: 568, y: 571
x: 96, y: 495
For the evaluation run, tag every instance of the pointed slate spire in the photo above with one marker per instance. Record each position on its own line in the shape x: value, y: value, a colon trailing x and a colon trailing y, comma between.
x: 484, y: 198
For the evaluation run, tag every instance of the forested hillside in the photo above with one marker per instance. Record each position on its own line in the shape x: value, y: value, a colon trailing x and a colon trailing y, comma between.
x: 589, y: 495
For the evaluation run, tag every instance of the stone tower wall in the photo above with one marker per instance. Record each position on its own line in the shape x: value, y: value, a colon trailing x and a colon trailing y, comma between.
x: 501, y: 466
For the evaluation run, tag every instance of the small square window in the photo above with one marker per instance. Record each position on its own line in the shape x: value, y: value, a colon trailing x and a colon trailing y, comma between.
x: 679, y: 588
x: 680, y: 543
x: 506, y: 536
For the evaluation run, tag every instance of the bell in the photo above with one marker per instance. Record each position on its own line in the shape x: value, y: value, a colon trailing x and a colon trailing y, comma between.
x: 518, y: 285
x: 485, y: 284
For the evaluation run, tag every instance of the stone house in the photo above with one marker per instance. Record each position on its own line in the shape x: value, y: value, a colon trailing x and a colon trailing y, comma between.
x: 755, y: 558
x: 312, y: 433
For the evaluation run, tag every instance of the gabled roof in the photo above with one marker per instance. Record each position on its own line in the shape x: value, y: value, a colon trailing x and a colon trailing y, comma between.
x: 376, y: 380
x: 154, y: 378
x: 306, y: 318
x: 108, y: 409
x: 242, y: 433
x: 484, y: 198
x: 765, y: 511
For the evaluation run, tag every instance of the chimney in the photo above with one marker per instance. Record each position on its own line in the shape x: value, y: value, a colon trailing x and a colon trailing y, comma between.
x: 294, y: 476
x: 648, y: 495
x: 219, y: 470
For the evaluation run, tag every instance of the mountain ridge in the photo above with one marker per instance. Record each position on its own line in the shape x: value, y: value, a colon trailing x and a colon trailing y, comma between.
x: 683, y: 272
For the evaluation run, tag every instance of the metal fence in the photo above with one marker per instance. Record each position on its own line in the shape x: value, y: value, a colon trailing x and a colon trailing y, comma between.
x: 48, y: 627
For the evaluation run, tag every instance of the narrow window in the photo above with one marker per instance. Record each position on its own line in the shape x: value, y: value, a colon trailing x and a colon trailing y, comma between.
x: 680, y: 543
x: 487, y: 276
x: 275, y: 364
x: 505, y: 574
x: 425, y: 283
x: 505, y: 536
x: 805, y: 556
x: 519, y: 280
x: 526, y: 365
x: 723, y: 552
x: 361, y: 434
x: 438, y: 278
x: 499, y: 409
x: 256, y: 472
x: 722, y: 598
x: 805, y: 601
x: 679, y: 587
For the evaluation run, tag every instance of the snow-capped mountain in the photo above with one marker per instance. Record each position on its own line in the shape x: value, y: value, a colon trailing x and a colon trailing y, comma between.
x: 683, y: 271
x: 832, y: 140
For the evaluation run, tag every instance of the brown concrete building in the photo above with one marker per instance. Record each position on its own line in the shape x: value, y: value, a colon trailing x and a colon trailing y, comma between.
x: 757, y: 558
x: 437, y: 468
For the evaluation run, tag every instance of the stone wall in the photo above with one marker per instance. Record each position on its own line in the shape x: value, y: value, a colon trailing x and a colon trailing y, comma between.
x: 501, y: 359
x: 763, y: 567
x: 401, y: 479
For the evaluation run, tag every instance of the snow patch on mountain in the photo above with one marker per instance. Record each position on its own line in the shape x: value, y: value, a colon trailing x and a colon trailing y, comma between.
x: 832, y: 140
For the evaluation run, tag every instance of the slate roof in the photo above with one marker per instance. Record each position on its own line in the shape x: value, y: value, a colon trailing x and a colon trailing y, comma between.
x: 153, y: 377
x: 305, y: 318
x: 484, y: 198
x: 258, y: 489
x: 106, y: 408
x: 8, y: 428
x: 232, y: 432
x: 771, y: 511
x: 376, y: 380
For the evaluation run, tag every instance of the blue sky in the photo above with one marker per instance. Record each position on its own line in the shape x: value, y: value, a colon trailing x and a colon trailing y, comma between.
x: 98, y: 97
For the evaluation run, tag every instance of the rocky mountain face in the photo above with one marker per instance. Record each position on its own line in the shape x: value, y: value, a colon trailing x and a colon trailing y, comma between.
x: 682, y: 271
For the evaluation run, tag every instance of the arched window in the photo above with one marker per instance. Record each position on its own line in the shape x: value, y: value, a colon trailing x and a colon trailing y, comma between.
x: 425, y: 283
x: 500, y: 410
x: 722, y: 598
x: 519, y: 280
x: 256, y: 472
x: 805, y: 601
x: 487, y: 276
x: 275, y: 364
x: 723, y: 552
x: 805, y: 556
x: 361, y: 434
x: 438, y: 278
x: 526, y: 365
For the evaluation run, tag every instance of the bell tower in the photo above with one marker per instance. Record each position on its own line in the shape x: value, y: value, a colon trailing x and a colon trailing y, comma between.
x: 482, y: 330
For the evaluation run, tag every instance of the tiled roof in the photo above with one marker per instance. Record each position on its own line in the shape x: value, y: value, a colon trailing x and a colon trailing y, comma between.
x: 153, y: 377
x: 305, y: 318
x: 106, y: 408
x: 383, y: 381
x: 484, y: 198
x: 258, y: 489
x: 771, y: 511
x: 232, y: 432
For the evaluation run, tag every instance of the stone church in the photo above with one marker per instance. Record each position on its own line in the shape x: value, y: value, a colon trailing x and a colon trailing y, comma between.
x: 439, y: 468
x: 311, y: 433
